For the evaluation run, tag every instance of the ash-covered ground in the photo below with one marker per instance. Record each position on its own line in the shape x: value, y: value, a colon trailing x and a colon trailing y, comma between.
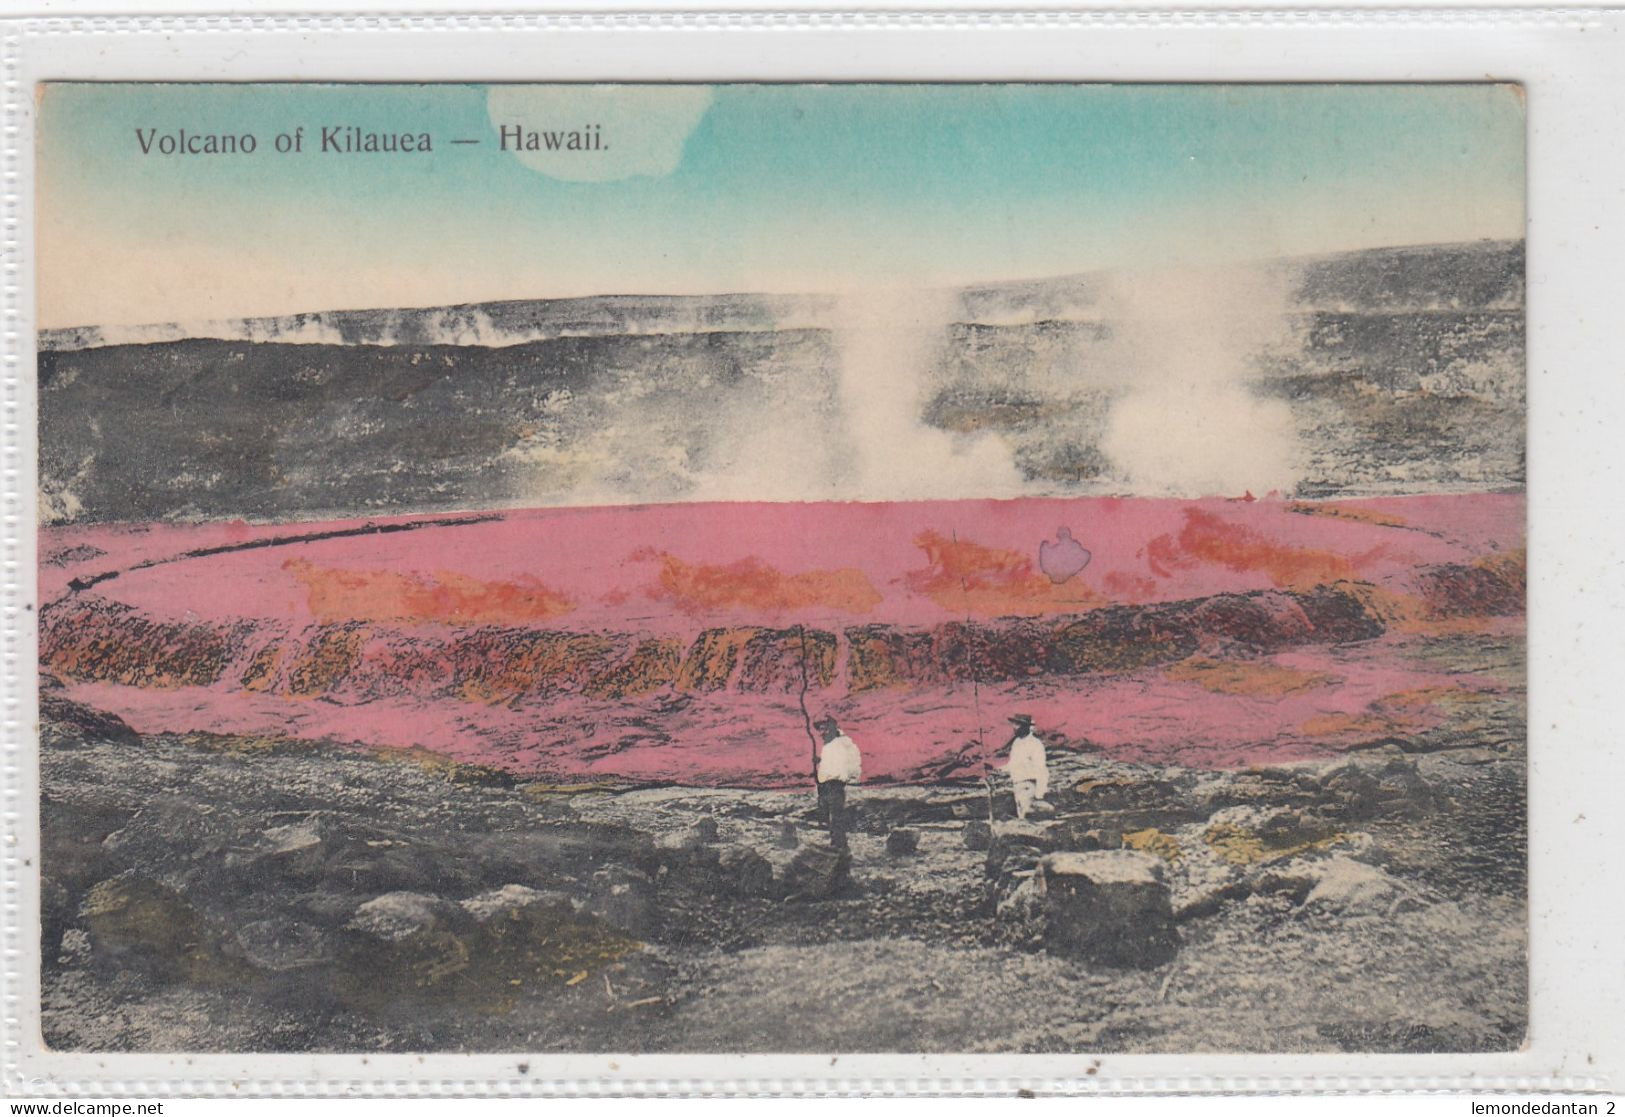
x: 220, y: 893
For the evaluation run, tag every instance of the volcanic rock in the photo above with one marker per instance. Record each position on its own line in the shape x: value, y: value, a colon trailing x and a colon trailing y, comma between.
x: 89, y: 724
x: 380, y: 867
x: 137, y: 923
x: 817, y: 872
x: 1335, y: 883
x: 1098, y: 838
x: 292, y: 852
x: 513, y: 903
x: 682, y: 841
x: 402, y: 943
x: 399, y: 916
x: 747, y: 872
x: 901, y: 843
x: 625, y: 899
x: 1352, y: 793
x: 1403, y: 790
x: 167, y: 823
x: 1360, y: 793
x: 978, y: 834
x: 281, y: 945
x: 1110, y: 907
x: 1039, y: 836
x: 1021, y: 920
x: 74, y: 949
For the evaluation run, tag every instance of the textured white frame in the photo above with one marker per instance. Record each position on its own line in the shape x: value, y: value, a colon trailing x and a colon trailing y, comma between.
x: 1571, y: 63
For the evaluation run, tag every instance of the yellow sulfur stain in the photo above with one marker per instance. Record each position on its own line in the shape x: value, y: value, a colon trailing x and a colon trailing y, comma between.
x: 1240, y: 846
x: 1152, y: 840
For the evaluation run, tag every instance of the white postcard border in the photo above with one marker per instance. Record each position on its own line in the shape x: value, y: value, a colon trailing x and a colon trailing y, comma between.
x: 1569, y: 63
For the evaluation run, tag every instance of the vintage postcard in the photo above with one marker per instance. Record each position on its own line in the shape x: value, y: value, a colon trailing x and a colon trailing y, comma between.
x: 782, y: 568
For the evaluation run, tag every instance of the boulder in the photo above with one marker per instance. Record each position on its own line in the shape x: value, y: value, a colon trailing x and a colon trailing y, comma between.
x: 1020, y: 918
x: 817, y: 872
x: 281, y: 945
x: 379, y: 867
x: 978, y: 834
x: 1349, y: 885
x: 515, y: 903
x: 169, y: 830
x: 747, y: 872
x: 678, y: 841
x: 480, y: 953
x: 1404, y: 791
x: 1016, y: 846
x: 1026, y: 834
x: 68, y: 724
x: 74, y: 949
x: 625, y: 899
x: 296, y: 853
x: 402, y: 943
x: 1244, y: 836
x: 398, y: 916
x: 1357, y: 792
x: 901, y: 843
x: 525, y: 936
x: 1116, y: 793
x: 957, y: 805
x: 689, y: 850
x: 1334, y: 883
x: 1111, y: 907
x: 686, y: 862
x: 1351, y: 793
x: 136, y: 923
x: 1098, y: 838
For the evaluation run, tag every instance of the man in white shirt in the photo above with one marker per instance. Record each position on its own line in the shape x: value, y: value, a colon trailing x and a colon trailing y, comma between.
x: 1027, y: 767
x: 839, y: 764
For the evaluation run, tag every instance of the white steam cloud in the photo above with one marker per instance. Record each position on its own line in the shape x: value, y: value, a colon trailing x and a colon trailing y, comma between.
x: 1188, y: 344
x: 875, y: 446
x: 888, y: 340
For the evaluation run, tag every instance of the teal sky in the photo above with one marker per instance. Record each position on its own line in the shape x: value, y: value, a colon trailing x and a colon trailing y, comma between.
x: 775, y: 187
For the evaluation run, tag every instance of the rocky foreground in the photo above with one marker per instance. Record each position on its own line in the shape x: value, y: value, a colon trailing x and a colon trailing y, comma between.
x: 237, y: 893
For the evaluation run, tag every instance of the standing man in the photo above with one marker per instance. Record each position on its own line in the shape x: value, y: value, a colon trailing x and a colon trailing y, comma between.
x: 838, y: 765
x: 1028, y: 767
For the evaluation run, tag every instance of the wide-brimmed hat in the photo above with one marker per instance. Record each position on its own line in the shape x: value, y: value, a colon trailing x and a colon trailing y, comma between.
x: 826, y: 722
x: 1021, y: 719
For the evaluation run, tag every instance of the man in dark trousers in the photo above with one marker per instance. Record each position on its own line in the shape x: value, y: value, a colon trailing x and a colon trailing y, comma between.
x: 839, y: 764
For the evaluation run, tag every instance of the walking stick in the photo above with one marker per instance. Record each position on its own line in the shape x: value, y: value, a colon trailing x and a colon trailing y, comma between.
x: 976, y: 693
x: 801, y: 698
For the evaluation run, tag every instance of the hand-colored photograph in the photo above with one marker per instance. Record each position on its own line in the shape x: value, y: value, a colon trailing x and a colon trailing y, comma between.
x: 782, y: 568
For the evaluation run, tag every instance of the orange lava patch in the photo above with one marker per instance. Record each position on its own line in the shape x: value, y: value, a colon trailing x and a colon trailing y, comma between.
x: 1348, y: 512
x: 1338, y: 725
x: 1253, y: 680
x: 447, y: 598
x: 964, y: 576
x: 1208, y: 538
x: 753, y: 584
x: 1422, y: 698
x: 1508, y: 564
x: 1129, y: 587
x: 1406, y: 613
